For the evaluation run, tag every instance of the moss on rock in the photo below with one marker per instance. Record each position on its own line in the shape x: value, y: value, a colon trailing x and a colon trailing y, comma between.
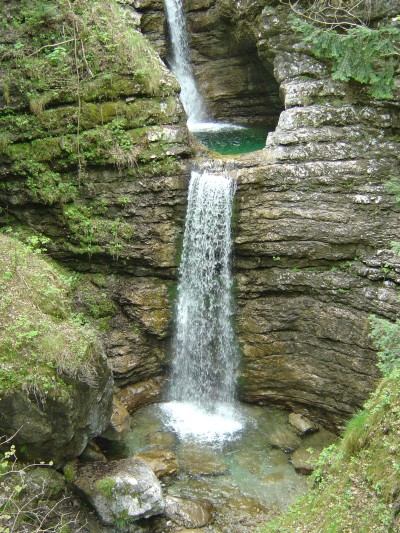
x: 55, y: 386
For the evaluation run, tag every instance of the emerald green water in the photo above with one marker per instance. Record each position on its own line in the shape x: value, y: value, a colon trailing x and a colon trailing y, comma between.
x: 231, y: 139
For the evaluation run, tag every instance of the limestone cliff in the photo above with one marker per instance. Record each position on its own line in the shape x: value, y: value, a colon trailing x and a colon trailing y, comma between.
x: 92, y: 152
x: 314, y: 218
x: 314, y: 227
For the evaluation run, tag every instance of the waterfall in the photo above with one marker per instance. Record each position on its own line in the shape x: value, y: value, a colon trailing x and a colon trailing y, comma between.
x: 205, y: 352
x: 180, y: 62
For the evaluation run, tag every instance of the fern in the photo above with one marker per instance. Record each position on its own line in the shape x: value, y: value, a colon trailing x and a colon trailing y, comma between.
x: 369, y: 56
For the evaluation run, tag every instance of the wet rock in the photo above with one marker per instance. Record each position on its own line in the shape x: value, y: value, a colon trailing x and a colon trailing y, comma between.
x: 284, y: 438
x: 140, y: 394
x: 196, y: 460
x: 188, y: 513
x: 162, y: 462
x: 120, y: 490
x: 162, y: 440
x: 302, y: 424
x: 274, y: 477
x: 306, y: 457
x: 92, y: 453
x: 120, y: 422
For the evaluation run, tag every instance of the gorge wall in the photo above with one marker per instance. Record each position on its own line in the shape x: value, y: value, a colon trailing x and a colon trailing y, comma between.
x: 313, y: 229
x: 314, y: 218
x: 93, y: 156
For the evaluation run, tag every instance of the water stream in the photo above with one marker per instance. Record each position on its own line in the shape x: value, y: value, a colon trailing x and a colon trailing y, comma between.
x: 205, y: 353
x: 180, y: 62
x: 221, y: 137
x: 235, y: 456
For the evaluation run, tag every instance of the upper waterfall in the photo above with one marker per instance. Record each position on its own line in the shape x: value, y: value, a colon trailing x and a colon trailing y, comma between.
x: 180, y: 62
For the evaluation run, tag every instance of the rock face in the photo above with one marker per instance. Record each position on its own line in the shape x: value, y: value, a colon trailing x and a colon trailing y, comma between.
x: 314, y: 220
x: 99, y: 168
x: 235, y: 84
x: 104, y: 177
x: 59, y: 428
x: 314, y: 227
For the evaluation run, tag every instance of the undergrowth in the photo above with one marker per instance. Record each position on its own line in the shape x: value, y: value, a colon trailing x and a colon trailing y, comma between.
x: 33, y: 497
x: 42, y: 341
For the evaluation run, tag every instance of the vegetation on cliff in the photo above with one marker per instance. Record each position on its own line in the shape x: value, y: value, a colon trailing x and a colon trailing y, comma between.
x: 356, y: 486
x: 42, y: 338
x: 357, y: 47
x: 82, y: 90
x: 55, y: 385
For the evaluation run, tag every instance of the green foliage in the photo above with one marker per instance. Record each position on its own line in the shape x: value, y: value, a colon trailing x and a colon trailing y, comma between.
x: 29, y: 494
x: 369, y: 56
x: 356, y: 433
x: 42, y: 341
x: 386, y: 336
x: 356, y: 483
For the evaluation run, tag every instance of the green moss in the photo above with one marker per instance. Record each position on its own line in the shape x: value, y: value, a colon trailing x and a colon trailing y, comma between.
x: 66, y: 80
x: 106, y: 486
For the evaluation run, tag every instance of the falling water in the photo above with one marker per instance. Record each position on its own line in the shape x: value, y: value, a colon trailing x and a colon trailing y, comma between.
x: 180, y: 63
x: 205, y: 359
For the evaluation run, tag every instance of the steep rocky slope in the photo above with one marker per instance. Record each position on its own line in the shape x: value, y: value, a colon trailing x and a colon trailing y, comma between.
x: 93, y: 150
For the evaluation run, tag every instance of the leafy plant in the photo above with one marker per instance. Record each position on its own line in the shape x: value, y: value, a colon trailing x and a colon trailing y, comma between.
x: 32, y: 507
x: 368, y: 56
x: 386, y: 336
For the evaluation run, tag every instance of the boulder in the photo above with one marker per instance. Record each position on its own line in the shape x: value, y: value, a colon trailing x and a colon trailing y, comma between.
x: 44, y: 483
x: 305, y: 459
x: 92, y: 453
x: 188, y: 513
x: 302, y: 424
x: 59, y: 427
x: 120, y: 491
x: 283, y: 438
x: 162, y: 462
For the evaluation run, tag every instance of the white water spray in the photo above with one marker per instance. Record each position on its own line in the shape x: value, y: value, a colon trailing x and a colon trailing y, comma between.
x: 206, y: 355
x: 180, y: 63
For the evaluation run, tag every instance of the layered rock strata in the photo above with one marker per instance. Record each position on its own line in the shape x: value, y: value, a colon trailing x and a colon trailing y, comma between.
x: 315, y: 224
x: 93, y: 156
x: 235, y: 84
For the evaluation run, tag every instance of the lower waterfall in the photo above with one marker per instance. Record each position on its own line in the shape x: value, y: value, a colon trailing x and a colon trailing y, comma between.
x: 205, y: 353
